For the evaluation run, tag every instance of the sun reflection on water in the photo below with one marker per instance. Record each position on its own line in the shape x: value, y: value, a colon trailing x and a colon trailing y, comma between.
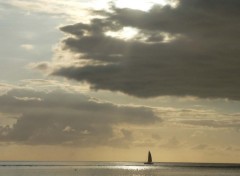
x: 134, y: 168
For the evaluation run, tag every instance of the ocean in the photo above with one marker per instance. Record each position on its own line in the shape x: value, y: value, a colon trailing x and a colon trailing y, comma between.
x: 30, y: 168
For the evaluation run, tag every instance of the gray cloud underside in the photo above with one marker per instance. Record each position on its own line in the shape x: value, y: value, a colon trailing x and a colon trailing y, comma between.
x: 68, y: 118
x: 230, y: 123
x: 202, y: 60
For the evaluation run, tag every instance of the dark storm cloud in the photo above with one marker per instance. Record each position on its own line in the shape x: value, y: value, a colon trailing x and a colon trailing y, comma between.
x: 203, y: 59
x: 68, y: 118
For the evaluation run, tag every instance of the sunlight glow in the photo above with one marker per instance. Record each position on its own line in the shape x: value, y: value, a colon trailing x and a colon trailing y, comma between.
x: 167, y: 38
x: 134, y: 167
x: 99, y: 4
x: 143, y: 5
x: 126, y: 33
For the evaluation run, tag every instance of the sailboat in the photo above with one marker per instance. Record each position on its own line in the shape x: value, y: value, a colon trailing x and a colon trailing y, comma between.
x: 149, y: 158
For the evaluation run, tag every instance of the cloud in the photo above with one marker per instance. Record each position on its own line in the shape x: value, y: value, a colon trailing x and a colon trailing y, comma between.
x: 27, y: 47
x: 188, y: 50
x: 60, y: 117
x: 200, y: 147
x: 28, y: 98
x: 204, y: 147
x: 232, y: 148
x: 4, y: 88
x: 200, y: 118
x: 217, y: 123
x: 73, y: 10
x: 41, y: 66
x: 172, y: 143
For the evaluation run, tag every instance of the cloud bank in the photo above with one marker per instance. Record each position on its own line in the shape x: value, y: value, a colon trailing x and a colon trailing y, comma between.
x: 191, y: 49
x: 58, y: 117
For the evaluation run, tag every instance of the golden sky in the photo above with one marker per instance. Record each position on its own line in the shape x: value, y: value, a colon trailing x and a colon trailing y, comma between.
x: 109, y: 80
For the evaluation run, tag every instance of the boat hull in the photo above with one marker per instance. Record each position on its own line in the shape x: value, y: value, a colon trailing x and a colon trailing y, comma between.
x: 148, y: 163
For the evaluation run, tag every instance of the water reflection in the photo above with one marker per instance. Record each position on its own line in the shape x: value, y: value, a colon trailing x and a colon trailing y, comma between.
x: 134, y: 168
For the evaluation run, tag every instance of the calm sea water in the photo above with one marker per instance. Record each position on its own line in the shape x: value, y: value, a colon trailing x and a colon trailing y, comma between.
x: 116, y: 169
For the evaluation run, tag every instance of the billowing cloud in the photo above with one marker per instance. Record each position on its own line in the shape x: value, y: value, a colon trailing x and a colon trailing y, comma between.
x: 58, y: 117
x: 190, y: 49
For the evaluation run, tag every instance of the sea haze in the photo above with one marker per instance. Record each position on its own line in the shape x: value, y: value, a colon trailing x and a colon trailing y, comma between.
x: 31, y: 168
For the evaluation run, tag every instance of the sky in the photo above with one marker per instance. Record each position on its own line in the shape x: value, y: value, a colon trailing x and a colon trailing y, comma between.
x: 99, y: 80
